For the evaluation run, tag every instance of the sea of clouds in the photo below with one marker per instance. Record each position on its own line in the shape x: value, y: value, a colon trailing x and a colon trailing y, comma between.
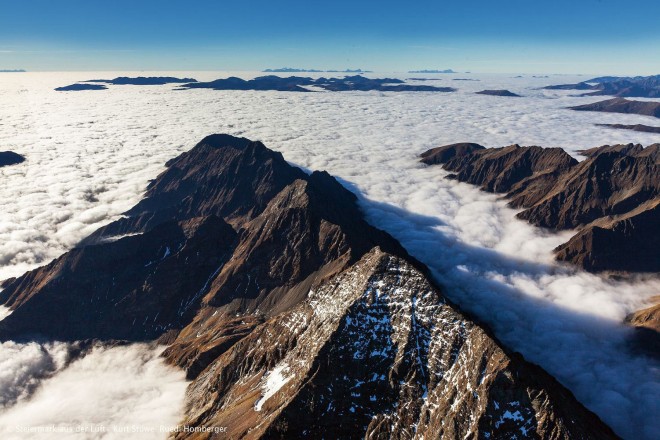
x: 90, y: 155
x: 111, y: 392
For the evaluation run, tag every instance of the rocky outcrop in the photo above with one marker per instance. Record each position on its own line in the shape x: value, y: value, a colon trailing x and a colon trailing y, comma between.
x: 612, y: 197
x: 290, y: 314
x: 10, y: 158
x: 498, y: 93
x: 621, y: 105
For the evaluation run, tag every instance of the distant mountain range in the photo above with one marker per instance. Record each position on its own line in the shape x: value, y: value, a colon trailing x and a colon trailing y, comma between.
x: 299, y: 84
x: 295, y: 70
x: 628, y: 87
x: 432, y: 71
x: 12, y: 70
x: 268, y: 82
x: 143, y: 80
x: 124, y: 80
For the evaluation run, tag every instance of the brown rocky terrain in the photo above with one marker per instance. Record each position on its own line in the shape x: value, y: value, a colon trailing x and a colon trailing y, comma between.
x: 292, y: 317
x: 612, y: 197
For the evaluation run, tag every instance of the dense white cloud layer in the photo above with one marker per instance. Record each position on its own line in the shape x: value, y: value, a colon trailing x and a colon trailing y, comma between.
x: 111, y: 393
x: 91, y: 154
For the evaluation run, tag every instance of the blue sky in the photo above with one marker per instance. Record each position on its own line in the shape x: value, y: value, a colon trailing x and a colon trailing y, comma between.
x: 527, y: 36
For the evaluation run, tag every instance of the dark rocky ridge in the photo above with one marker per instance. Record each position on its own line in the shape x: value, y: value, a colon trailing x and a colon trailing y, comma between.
x: 636, y: 127
x: 621, y: 105
x: 290, y: 314
x: 498, y: 93
x: 297, y: 84
x: 10, y: 158
x: 611, y: 197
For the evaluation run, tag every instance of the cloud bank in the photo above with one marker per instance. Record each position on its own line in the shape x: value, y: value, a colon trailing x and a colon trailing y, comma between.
x: 111, y: 392
x: 88, y: 160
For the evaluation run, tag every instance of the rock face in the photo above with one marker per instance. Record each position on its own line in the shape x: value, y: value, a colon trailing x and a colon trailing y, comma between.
x: 621, y: 105
x: 298, y: 84
x: 292, y: 316
x: 613, y: 197
x: 498, y: 93
x: 10, y: 158
x: 636, y: 127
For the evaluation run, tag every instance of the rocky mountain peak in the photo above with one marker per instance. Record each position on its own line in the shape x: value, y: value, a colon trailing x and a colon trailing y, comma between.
x: 292, y: 316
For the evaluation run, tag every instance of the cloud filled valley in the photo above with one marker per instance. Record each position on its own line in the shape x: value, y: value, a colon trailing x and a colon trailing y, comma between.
x: 89, y: 160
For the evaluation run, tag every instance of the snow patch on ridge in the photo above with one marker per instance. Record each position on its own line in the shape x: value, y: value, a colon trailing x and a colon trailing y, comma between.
x: 275, y: 380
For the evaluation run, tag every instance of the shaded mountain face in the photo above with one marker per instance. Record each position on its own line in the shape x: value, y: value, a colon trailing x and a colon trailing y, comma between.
x: 621, y: 105
x: 291, y: 316
x: 10, y: 158
x: 176, y: 250
x: 612, y: 197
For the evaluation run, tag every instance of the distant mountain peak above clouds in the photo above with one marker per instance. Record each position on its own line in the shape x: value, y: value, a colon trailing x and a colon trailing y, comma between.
x: 628, y: 87
x: 611, y: 196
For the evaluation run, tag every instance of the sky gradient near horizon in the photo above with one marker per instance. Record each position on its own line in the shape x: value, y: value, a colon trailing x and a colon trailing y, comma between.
x: 579, y: 36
